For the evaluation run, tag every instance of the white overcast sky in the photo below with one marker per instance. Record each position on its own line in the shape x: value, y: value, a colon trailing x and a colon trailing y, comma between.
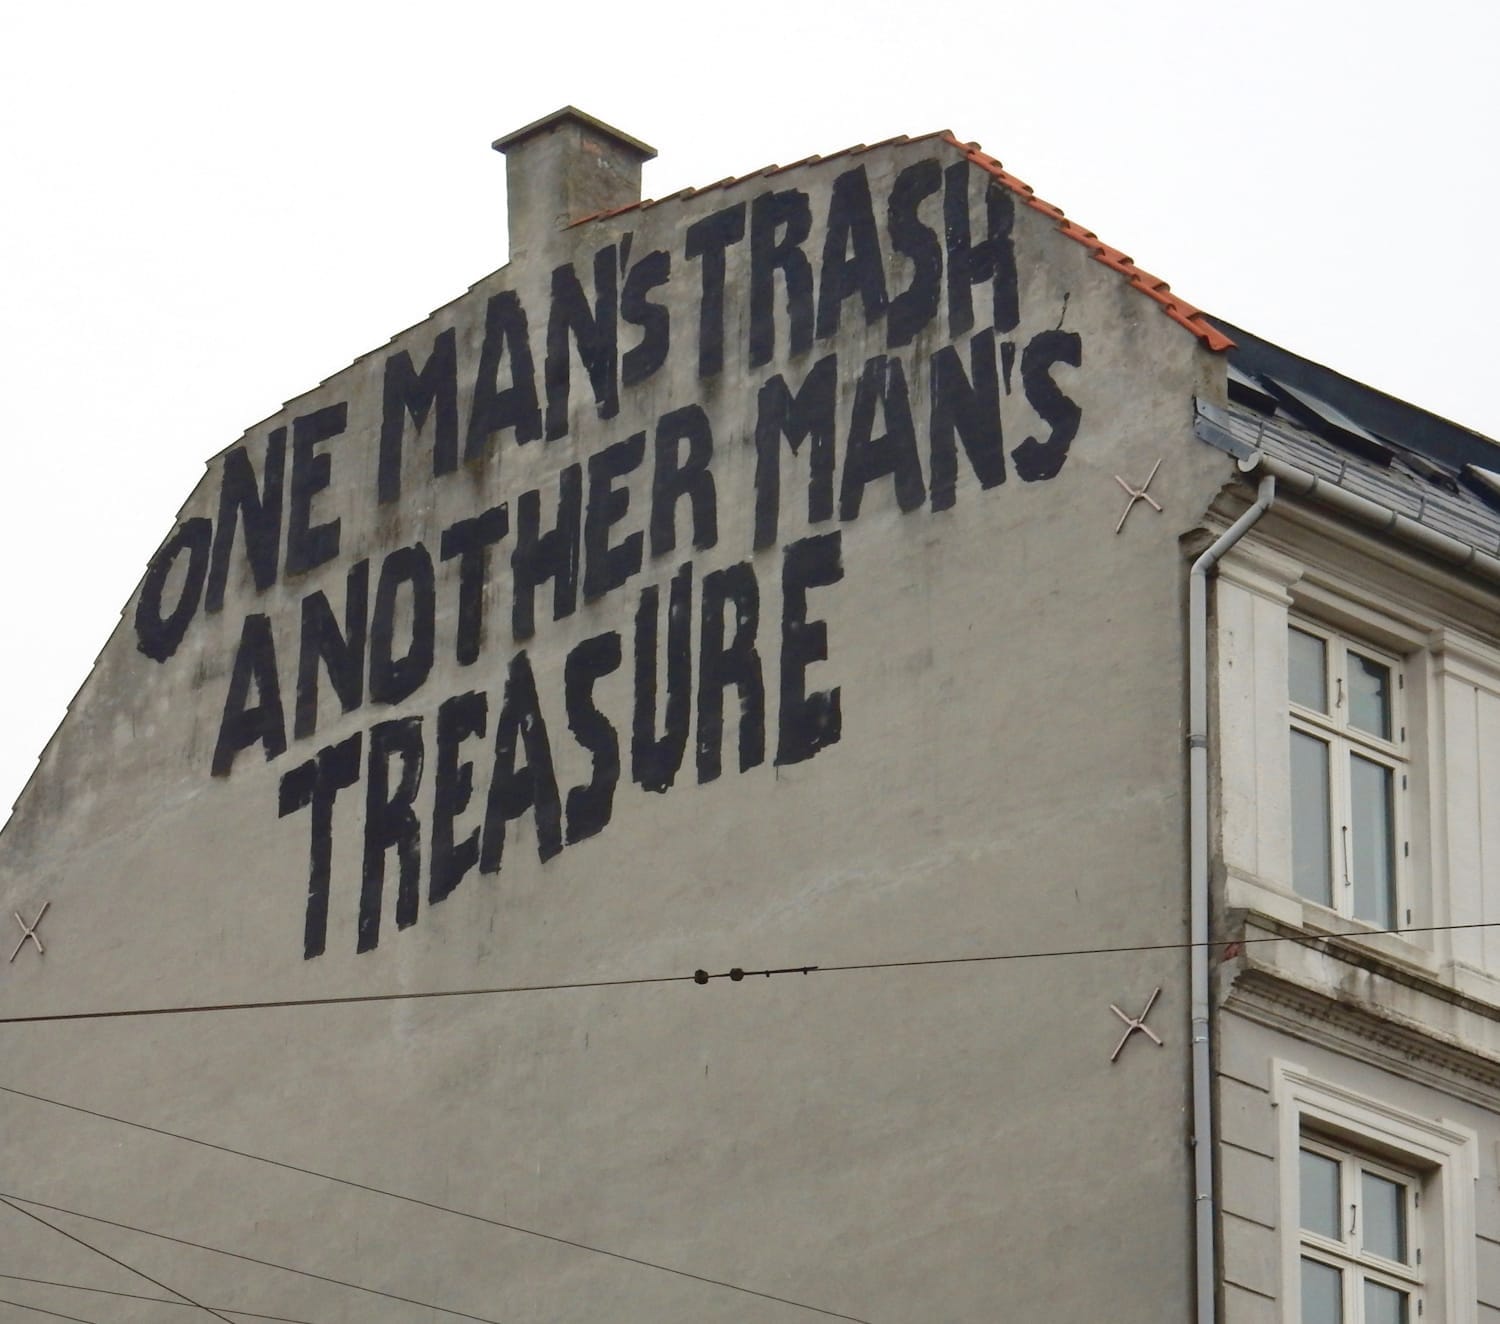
x: 205, y: 209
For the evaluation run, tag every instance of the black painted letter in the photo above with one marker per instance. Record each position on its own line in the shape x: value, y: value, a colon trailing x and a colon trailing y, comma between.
x: 894, y: 452
x: 395, y: 678
x: 676, y: 477
x: 342, y: 651
x: 590, y: 806
x: 470, y: 540
x: 642, y: 361
x: 707, y: 240
x: 460, y: 717
x: 809, y: 413
x: 917, y: 304
x: 158, y: 636
x: 538, y: 557
x: 972, y: 410
x: 851, y: 220
x: 258, y: 507
x: 264, y: 723
x: 309, y: 545
x: 654, y: 762
x: 596, y: 332
x: 807, y: 722
x: 391, y: 820
x: 1038, y: 460
x: 993, y: 259
x: 408, y: 392
x: 317, y: 783
x: 515, y: 406
x: 515, y: 790
x: 771, y: 252
x: 607, y: 566
x: 736, y: 663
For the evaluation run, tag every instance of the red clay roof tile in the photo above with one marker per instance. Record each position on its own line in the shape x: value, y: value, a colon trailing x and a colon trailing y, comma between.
x: 1178, y: 309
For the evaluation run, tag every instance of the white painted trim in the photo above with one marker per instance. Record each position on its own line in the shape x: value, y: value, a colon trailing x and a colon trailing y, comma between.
x: 1466, y: 658
x: 1267, y: 577
x: 1341, y: 606
x: 1446, y: 1153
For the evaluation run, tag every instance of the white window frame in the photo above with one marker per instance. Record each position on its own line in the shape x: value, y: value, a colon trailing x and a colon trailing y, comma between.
x: 1347, y: 1253
x: 1344, y: 741
x: 1439, y: 1156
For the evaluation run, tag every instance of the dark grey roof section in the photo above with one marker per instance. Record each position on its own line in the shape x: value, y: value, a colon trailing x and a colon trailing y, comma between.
x: 1327, y: 420
x: 1374, y: 413
x: 1435, y: 502
x: 1248, y: 391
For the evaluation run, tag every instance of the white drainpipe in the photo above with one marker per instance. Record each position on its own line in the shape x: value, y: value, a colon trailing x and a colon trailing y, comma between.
x: 1203, y: 1152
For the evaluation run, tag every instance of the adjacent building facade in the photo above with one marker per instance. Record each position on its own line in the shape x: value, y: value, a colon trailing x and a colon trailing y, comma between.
x: 1358, y: 756
x: 914, y: 743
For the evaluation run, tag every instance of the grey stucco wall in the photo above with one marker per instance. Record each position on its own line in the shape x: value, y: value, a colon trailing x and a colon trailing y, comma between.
x: 950, y: 1142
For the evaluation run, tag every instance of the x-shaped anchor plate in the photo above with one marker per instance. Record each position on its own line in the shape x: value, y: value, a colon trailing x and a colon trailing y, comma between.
x: 1138, y: 494
x: 28, y: 931
x: 1134, y: 1023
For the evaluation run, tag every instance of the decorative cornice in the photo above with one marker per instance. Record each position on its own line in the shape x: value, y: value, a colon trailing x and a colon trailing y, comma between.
x: 1363, y: 1033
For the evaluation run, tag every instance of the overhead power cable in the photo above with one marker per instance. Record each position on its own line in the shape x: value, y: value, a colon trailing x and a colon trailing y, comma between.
x: 139, y: 1273
x: 57, y: 1314
x: 137, y: 1296
x: 736, y: 974
x: 426, y: 1204
x: 338, y: 1001
x: 6, y: 1197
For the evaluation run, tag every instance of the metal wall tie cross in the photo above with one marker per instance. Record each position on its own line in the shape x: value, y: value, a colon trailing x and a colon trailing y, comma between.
x: 28, y: 931
x: 1134, y: 1023
x: 1138, y: 494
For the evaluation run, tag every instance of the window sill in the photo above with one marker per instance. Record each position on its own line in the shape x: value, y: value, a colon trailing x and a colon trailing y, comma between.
x: 1291, y: 910
x: 1408, y: 960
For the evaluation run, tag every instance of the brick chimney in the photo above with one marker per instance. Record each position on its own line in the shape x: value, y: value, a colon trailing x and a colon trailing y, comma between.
x: 563, y: 167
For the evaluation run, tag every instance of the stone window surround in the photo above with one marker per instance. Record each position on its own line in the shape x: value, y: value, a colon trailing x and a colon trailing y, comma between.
x: 1262, y: 590
x: 1444, y: 1155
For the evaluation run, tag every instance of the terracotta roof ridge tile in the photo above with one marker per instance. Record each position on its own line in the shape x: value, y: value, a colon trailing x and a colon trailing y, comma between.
x: 1178, y: 309
x: 795, y: 165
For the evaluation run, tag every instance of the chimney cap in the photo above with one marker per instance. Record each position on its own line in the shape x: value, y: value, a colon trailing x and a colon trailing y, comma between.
x: 572, y: 113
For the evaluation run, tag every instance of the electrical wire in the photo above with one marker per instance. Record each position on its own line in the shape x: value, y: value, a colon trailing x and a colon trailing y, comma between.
x: 7, y: 1196
x: 135, y: 1296
x: 339, y: 1001
x: 703, y: 976
x: 699, y: 977
x: 139, y: 1273
x: 57, y: 1314
x: 427, y: 1204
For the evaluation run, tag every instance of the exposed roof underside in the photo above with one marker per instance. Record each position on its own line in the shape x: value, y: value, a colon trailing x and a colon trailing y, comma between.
x: 1362, y: 441
x: 1153, y: 287
x: 1348, y: 412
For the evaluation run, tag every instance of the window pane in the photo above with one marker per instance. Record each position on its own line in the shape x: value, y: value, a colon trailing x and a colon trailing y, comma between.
x: 1307, y: 675
x: 1383, y: 1305
x: 1384, y: 1216
x: 1310, y: 826
x: 1320, y: 1194
x: 1373, y: 841
x: 1369, y: 696
x: 1322, y: 1293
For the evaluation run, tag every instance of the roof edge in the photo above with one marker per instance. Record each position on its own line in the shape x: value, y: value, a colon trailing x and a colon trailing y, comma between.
x: 1153, y: 287
x: 571, y: 114
x: 1182, y: 312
